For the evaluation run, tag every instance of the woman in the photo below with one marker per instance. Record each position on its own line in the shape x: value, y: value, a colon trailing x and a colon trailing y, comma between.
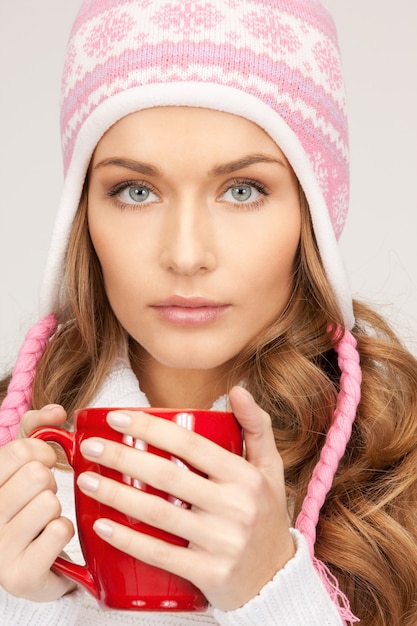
x: 195, y: 255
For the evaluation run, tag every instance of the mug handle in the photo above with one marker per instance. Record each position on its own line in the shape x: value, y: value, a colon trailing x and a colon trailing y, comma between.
x: 78, y: 573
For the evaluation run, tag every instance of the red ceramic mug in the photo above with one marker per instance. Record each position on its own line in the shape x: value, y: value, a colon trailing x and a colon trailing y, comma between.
x: 115, y: 579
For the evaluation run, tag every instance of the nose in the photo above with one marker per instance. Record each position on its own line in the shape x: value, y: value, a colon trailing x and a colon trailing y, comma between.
x: 188, y: 246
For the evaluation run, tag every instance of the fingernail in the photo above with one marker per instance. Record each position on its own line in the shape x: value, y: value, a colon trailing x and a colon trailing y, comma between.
x: 49, y: 407
x: 118, y: 420
x: 102, y: 529
x: 91, y: 447
x: 88, y: 482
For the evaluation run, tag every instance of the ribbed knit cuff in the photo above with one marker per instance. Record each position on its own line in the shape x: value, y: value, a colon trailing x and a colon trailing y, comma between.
x: 295, y: 597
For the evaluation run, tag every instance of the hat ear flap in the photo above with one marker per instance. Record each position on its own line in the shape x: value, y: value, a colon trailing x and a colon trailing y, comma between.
x: 334, y: 448
x: 19, y: 393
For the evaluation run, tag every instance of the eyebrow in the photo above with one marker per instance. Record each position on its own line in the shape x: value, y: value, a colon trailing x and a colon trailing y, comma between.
x: 240, y: 164
x: 130, y: 164
x: 218, y: 170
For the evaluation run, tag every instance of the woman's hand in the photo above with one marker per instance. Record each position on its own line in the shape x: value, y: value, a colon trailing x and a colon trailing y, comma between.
x: 237, y: 527
x: 32, y: 531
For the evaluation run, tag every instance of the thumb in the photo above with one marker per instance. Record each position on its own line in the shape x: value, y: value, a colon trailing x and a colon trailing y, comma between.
x: 53, y: 415
x: 259, y: 439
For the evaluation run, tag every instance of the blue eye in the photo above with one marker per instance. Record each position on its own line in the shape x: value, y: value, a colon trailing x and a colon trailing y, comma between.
x: 244, y: 193
x: 136, y: 194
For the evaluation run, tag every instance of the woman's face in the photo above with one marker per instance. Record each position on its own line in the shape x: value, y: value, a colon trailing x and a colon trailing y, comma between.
x: 195, y: 218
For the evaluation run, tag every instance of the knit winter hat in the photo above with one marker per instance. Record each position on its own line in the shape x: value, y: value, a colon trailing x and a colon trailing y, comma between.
x: 274, y: 62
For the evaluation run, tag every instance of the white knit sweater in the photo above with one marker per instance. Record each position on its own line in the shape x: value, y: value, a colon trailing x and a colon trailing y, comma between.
x: 295, y: 597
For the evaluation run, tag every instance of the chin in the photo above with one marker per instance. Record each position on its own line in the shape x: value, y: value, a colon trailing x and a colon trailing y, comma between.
x: 194, y: 364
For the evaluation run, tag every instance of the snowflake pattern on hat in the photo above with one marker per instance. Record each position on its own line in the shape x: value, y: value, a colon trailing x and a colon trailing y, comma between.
x: 101, y: 41
x: 189, y: 16
x: 276, y: 35
x: 329, y: 64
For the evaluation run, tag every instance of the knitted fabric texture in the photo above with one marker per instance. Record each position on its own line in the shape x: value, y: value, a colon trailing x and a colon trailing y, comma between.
x: 274, y: 62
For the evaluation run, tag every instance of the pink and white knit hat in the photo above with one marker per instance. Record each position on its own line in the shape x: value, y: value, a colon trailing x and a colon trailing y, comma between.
x: 274, y: 62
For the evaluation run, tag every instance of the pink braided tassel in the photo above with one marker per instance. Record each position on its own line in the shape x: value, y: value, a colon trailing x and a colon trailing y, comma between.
x: 19, y: 393
x: 334, y: 448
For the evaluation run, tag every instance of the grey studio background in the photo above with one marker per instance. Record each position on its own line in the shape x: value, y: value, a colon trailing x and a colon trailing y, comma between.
x: 379, y: 48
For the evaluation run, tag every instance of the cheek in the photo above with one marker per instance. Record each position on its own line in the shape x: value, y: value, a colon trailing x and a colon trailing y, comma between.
x: 121, y: 279
x: 119, y: 268
x: 270, y: 264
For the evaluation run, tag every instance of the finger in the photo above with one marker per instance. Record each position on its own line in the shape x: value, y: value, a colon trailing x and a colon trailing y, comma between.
x: 150, y: 469
x: 50, y: 542
x: 260, y: 444
x: 170, y: 557
x: 23, y: 486
x: 199, y: 452
x: 16, y: 454
x: 25, y: 527
x: 168, y: 515
x: 53, y: 415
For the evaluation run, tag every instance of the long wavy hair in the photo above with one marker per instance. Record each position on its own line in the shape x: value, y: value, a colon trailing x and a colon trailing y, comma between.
x: 367, y: 533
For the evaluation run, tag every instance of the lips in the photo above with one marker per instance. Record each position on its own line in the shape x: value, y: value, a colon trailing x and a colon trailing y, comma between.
x: 193, y: 311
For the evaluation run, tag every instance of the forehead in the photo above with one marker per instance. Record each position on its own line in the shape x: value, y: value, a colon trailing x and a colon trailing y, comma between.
x: 184, y: 131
